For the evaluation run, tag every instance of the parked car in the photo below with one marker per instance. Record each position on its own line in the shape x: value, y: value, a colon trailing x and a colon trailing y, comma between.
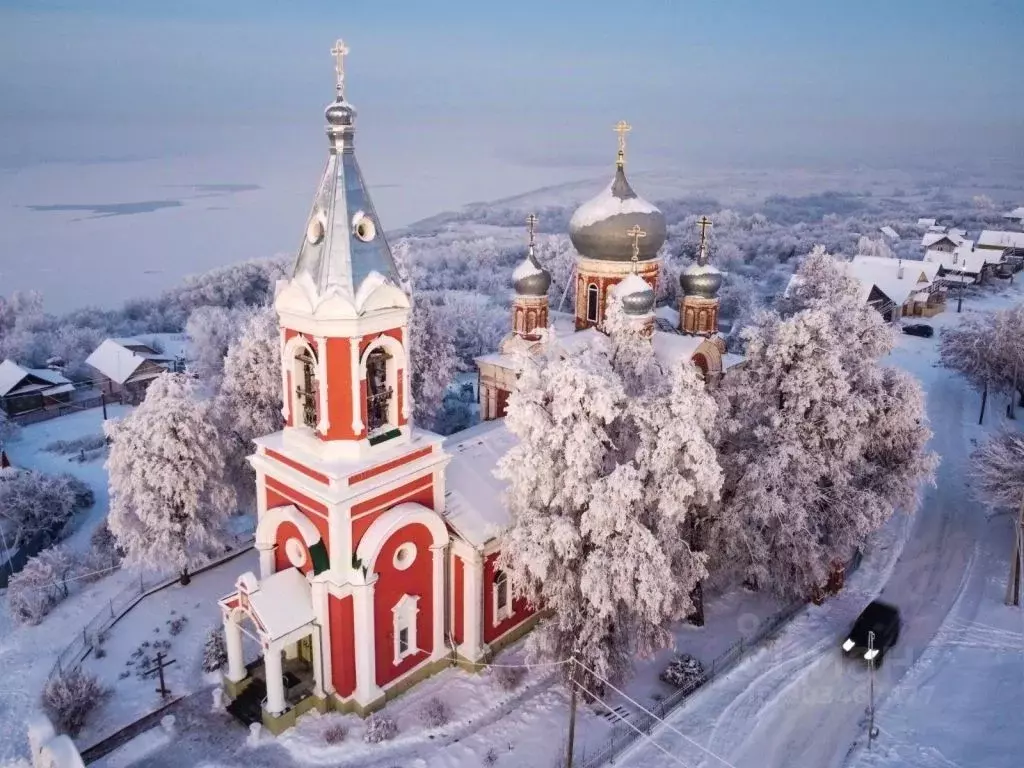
x: 884, y: 621
x: 919, y: 329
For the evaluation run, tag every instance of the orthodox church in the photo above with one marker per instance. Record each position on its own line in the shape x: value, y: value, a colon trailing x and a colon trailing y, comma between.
x: 378, y: 541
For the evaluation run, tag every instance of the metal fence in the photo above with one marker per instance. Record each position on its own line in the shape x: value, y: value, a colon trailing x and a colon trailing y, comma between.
x: 92, y: 634
x: 623, y: 735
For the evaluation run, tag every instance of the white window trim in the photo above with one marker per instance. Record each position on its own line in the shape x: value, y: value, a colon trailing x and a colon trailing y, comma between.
x: 405, y: 614
x: 499, y: 615
x: 295, y: 551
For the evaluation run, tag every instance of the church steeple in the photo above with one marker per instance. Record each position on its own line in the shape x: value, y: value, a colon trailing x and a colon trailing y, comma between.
x: 531, y: 282
x: 344, y: 316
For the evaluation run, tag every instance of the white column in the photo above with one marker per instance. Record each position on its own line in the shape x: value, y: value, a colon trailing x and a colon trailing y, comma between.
x: 318, y: 662
x: 285, y: 362
x: 440, y: 649
x: 472, y: 601
x: 321, y: 374
x: 356, y: 374
x: 367, y: 689
x: 233, y: 642
x: 275, y: 680
x: 266, y: 560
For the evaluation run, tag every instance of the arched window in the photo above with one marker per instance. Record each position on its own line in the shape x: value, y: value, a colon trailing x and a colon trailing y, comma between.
x: 306, y: 389
x: 378, y: 390
x: 592, y: 303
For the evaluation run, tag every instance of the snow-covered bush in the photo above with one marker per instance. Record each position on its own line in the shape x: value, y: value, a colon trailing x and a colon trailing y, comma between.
x: 31, y: 502
x: 103, y: 546
x: 84, y: 443
x: 68, y: 699
x: 380, y: 727
x: 169, y: 498
x: 176, y: 625
x: 212, y: 331
x: 9, y: 430
x: 508, y: 678
x: 335, y: 733
x: 435, y: 713
x: 215, y: 653
x: 31, y: 593
x: 490, y: 757
x: 83, y: 495
x: 684, y: 671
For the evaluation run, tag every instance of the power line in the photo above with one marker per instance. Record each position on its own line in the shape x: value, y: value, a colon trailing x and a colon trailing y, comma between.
x: 660, y: 720
x: 625, y: 720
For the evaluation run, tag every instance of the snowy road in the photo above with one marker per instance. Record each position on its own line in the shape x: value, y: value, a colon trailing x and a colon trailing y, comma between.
x: 798, y: 702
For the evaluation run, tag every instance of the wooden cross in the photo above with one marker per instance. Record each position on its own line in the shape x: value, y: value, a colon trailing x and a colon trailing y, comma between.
x: 531, y: 222
x: 339, y: 52
x: 622, y: 128
x: 636, y: 233
x: 163, y: 690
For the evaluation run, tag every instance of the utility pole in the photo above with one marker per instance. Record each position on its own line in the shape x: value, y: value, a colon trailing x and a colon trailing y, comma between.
x: 1017, y: 559
x: 960, y: 295
x: 572, y: 711
x: 872, y: 731
x: 103, y: 402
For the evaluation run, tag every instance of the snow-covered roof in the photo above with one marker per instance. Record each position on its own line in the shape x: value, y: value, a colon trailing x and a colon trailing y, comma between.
x: 931, y: 238
x: 115, y: 361
x: 668, y: 313
x: 606, y: 204
x: 896, y: 278
x: 525, y: 269
x: 474, y: 503
x: 670, y: 348
x: 12, y: 374
x: 1000, y: 239
x: 281, y: 602
x: 1016, y: 213
x: 957, y: 231
x: 889, y: 232
x: 632, y: 284
x: 963, y: 259
x: 926, y: 222
x: 731, y: 360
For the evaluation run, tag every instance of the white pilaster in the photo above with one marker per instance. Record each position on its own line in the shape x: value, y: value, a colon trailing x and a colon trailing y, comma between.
x: 321, y: 374
x: 438, y: 619
x: 472, y: 647
x: 356, y: 374
x: 322, y: 652
x: 233, y: 643
x: 266, y: 559
x: 367, y: 689
x: 318, y: 662
x: 287, y: 396
x: 274, y: 670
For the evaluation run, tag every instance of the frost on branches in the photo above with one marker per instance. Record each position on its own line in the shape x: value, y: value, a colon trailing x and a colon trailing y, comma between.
x: 168, y: 495
x: 817, y: 440
x: 434, y: 362
x: 248, y: 404
x: 601, y: 488
x: 998, y: 470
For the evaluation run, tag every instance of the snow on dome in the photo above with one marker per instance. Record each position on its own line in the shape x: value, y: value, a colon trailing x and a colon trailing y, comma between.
x: 598, y: 227
x: 702, y: 269
x: 529, y: 278
x: 526, y: 268
x: 636, y: 295
x: 632, y: 284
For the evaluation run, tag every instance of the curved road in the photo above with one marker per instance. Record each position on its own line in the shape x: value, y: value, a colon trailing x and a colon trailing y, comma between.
x: 798, y: 702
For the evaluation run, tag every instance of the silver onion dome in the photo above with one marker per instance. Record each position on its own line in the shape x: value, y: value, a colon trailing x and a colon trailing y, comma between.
x: 598, y: 227
x: 700, y: 280
x: 340, y: 113
x: 636, y: 295
x: 530, y: 278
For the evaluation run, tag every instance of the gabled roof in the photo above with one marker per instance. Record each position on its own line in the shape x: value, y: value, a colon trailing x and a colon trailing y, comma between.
x: 117, y: 362
x: 279, y: 604
x: 1016, y: 213
x: 963, y: 259
x: 926, y: 222
x: 474, y: 503
x: 889, y: 232
x: 1000, y: 239
x: 46, y: 382
x: 930, y: 239
x: 898, y: 279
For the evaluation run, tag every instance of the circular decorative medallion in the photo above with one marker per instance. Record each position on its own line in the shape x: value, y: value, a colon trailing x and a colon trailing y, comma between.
x: 295, y: 550
x: 315, y: 230
x: 363, y: 227
x: 405, y: 555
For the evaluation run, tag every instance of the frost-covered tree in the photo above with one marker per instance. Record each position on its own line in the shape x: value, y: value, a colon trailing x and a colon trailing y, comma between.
x: 9, y: 430
x: 818, y: 441
x: 215, y: 652
x: 31, y: 502
x: 32, y: 592
x: 169, y: 496
x: 998, y: 474
x: 212, y: 331
x: 601, y: 486
x: 68, y: 699
x: 871, y: 246
x: 248, y: 404
x: 434, y: 362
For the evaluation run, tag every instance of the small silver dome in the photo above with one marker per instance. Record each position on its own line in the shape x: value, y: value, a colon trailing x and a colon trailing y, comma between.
x: 340, y: 113
x: 700, y: 280
x: 636, y: 295
x: 530, y: 278
x: 598, y: 229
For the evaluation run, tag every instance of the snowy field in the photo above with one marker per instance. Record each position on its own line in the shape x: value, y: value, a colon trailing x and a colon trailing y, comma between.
x: 950, y: 693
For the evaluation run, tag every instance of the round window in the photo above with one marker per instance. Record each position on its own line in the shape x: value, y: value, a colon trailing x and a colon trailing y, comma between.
x: 404, y: 556
x: 362, y: 226
x: 296, y: 552
x: 315, y: 230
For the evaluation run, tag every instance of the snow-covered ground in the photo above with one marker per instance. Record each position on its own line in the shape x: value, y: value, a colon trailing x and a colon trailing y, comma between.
x: 956, y: 674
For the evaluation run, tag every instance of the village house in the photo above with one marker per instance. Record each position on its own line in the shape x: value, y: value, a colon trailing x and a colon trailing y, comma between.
x: 126, y: 367
x: 24, y: 390
x: 941, y: 240
x: 1017, y: 215
x: 898, y: 287
x: 1007, y: 244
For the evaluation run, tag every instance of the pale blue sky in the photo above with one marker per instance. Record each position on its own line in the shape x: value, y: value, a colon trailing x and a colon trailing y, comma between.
x: 788, y: 78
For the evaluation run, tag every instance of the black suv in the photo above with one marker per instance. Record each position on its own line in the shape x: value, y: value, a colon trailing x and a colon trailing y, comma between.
x: 919, y: 329
x: 880, y: 618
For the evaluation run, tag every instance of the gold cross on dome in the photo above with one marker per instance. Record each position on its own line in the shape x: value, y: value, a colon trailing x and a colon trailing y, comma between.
x: 339, y: 52
x: 622, y: 128
x: 531, y: 222
x: 636, y: 233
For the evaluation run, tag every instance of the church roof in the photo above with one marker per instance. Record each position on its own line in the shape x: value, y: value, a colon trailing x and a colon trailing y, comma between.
x: 473, y: 497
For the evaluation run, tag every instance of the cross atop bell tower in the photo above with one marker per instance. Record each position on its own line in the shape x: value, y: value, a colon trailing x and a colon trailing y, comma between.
x: 622, y: 128
x: 702, y: 254
x: 635, y: 233
x: 339, y: 51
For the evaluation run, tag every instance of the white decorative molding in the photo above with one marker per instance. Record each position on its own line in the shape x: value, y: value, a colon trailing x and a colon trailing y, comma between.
x: 367, y: 690
x: 404, y: 557
x: 499, y: 613
x: 286, y: 395
x: 387, y: 524
x: 266, y: 529
x: 324, y: 423
x: 357, y: 400
x: 472, y: 646
x: 438, y: 619
x: 404, y: 616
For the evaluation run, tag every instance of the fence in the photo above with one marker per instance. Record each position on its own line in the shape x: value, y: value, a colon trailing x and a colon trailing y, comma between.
x: 119, y: 605
x: 623, y: 735
x: 52, y: 412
